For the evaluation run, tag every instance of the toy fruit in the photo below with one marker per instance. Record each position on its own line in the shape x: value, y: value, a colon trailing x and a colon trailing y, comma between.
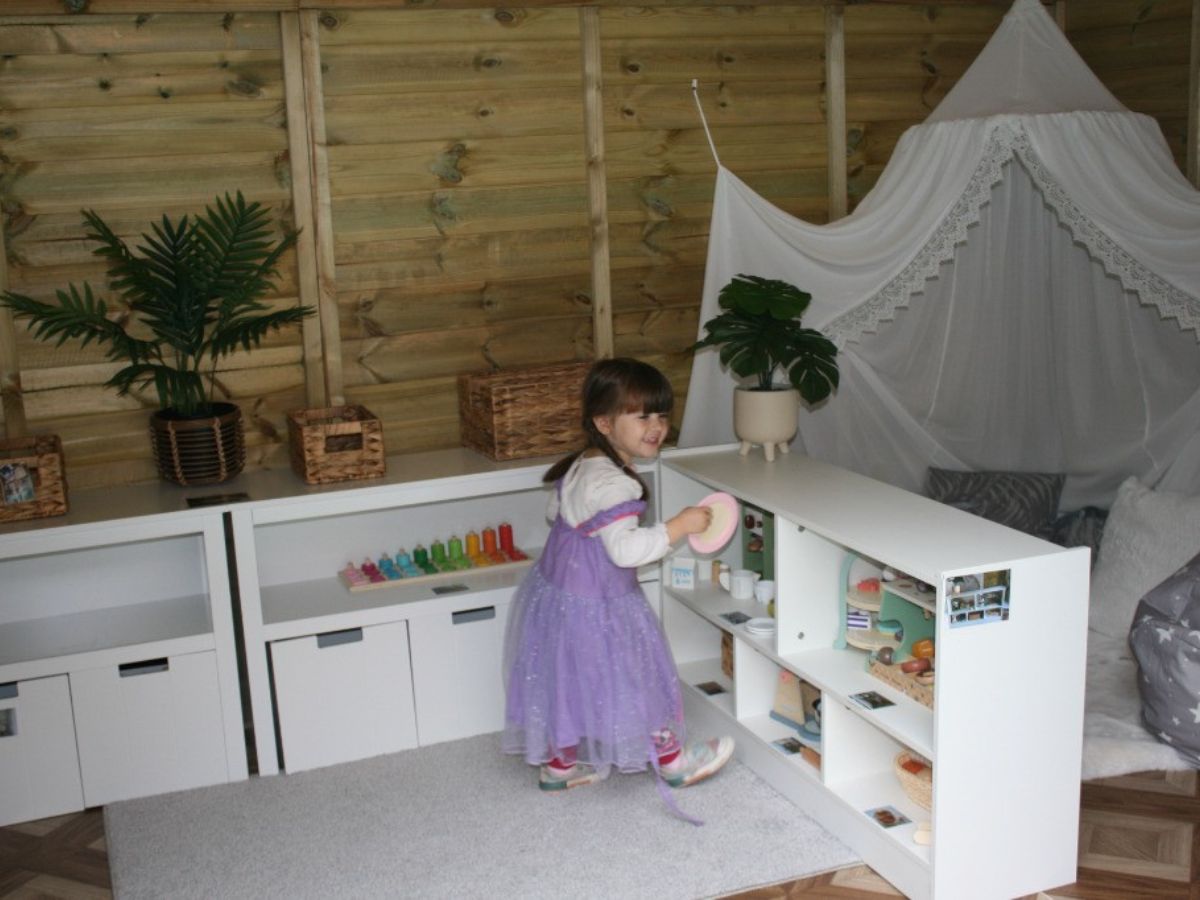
x: 913, y: 666
x: 923, y: 649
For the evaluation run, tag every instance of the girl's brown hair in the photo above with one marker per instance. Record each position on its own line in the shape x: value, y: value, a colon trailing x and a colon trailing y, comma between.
x: 612, y: 387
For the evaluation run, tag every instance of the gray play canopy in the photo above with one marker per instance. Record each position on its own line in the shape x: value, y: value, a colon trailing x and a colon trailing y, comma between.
x: 1019, y: 291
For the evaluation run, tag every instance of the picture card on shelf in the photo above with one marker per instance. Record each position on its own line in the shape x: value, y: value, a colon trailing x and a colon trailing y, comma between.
x: 735, y: 617
x: 871, y: 699
x: 788, y: 745
x: 888, y: 816
x: 711, y: 687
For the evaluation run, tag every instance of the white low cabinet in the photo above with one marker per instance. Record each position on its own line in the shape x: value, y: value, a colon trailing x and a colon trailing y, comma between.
x: 149, y: 726
x: 128, y: 576
x: 344, y: 695
x: 1004, y: 732
x: 292, y: 541
x: 39, y: 772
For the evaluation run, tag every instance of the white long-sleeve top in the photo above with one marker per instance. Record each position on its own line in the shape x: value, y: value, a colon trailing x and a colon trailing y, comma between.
x: 594, y: 484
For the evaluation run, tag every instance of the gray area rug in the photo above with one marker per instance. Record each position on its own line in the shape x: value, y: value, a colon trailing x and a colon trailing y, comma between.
x: 460, y: 820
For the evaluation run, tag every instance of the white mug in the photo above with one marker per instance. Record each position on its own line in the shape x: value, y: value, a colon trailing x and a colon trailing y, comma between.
x: 764, y: 591
x: 740, y: 583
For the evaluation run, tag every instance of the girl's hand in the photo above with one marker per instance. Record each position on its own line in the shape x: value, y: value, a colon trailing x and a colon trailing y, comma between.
x: 689, y: 520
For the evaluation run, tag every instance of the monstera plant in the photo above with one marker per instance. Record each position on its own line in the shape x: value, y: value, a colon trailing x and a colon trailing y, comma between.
x: 187, y: 296
x: 759, y: 333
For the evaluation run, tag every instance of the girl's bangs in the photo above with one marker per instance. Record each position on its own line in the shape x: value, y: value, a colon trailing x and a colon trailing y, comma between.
x: 648, y: 399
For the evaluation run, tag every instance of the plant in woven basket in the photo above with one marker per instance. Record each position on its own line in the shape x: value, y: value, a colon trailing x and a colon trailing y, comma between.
x: 192, y: 293
x: 759, y: 332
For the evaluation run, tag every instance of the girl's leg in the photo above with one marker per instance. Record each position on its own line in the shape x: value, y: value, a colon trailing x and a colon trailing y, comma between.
x: 667, y: 746
x: 565, y: 771
x: 565, y: 759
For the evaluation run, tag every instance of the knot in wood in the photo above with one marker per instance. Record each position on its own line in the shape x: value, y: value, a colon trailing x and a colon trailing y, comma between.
x: 506, y: 17
x: 330, y: 21
x: 75, y: 6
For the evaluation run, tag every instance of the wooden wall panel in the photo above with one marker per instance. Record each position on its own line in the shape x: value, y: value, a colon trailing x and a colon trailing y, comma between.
x: 459, y: 198
x: 900, y: 62
x: 1141, y: 50
x: 759, y: 74
x: 448, y: 188
x: 135, y: 117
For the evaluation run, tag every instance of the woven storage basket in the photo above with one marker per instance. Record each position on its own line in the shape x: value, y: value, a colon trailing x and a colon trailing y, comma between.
x: 516, y: 413
x: 39, y: 459
x: 918, y: 785
x: 336, y: 443
x: 897, y: 678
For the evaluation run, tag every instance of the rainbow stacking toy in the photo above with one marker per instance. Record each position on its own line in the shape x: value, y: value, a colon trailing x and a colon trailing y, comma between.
x: 486, y: 549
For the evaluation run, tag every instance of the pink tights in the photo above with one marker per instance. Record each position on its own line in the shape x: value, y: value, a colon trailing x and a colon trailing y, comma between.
x: 666, y: 745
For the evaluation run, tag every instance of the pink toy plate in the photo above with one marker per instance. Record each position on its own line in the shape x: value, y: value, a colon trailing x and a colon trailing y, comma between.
x: 725, y: 517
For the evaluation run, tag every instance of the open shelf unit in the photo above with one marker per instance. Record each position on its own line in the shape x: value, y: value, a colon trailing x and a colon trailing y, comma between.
x: 1018, y: 724
x: 106, y: 622
x: 449, y: 628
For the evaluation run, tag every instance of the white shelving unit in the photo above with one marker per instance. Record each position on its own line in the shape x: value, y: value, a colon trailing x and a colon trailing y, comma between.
x: 1004, y: 734
x: 291, y: 540
x: 117, y: 659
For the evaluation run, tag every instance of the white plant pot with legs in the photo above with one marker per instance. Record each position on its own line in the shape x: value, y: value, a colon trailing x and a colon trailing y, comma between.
x: 769, y: 418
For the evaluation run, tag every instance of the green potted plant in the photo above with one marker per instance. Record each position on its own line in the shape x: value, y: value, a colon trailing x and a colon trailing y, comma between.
x: 193, y: 293
x: 759, y: 333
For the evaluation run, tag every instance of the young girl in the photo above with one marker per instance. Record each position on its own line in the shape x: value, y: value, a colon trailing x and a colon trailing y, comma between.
x: 591, y: 682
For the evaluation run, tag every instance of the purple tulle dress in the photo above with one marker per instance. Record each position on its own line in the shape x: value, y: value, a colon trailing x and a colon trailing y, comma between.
x: 586, y: 663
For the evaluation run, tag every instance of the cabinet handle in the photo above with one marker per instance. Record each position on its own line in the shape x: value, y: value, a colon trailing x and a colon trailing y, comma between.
x: 145, y: 667
x: 9, y: 691
x: 481, y: 614
x: 337, y: 638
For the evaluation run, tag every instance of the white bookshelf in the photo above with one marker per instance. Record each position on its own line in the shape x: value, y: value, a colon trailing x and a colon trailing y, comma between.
x: 1004, y: 731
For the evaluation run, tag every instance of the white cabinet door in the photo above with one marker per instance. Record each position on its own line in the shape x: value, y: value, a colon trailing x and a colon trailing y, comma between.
x: 148, y: 727
x: 457, y: 662
x: 343, y: 695
x: 39, y: 771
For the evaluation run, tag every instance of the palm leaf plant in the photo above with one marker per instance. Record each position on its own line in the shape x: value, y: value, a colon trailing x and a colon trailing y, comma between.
x: 194, y: 286
x: 759, y: 332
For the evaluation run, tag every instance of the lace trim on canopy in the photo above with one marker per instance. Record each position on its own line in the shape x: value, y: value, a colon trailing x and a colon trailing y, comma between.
x: 940, y: 247
x: 1152, y: 289
x: 1005, y: 142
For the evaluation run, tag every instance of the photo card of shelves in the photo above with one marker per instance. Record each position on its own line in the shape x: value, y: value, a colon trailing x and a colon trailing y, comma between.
x: 491, y: 548
x: 978, y: 599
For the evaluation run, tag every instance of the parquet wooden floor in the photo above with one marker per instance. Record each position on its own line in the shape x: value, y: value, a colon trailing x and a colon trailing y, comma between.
x: 1139, y: 838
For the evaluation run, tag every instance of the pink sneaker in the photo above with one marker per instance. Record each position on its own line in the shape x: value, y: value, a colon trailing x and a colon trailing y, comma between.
x: 698, y: 761
x: 553, y: 778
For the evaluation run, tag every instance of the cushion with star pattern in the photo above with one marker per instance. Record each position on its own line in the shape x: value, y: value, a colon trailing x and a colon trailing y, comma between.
x: 1165, y: 639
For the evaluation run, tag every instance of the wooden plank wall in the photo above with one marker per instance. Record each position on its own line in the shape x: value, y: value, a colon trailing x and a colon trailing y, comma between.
x: 136, y: 117
x: 1141, y: 52
x: 442, y: 163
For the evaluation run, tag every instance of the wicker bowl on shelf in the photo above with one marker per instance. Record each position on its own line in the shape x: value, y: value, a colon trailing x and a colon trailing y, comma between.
x: 916, y: 777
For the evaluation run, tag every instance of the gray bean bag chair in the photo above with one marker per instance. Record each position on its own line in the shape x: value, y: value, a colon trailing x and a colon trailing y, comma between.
x: 1165, y: 639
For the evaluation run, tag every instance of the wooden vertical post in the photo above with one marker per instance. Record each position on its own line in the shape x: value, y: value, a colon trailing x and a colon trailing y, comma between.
x: 597, y: 182
x: 1193, y: 131
x: 10, y: 371
x: 835, y: 107
x: 300, y: 160
x: 322, y: 218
